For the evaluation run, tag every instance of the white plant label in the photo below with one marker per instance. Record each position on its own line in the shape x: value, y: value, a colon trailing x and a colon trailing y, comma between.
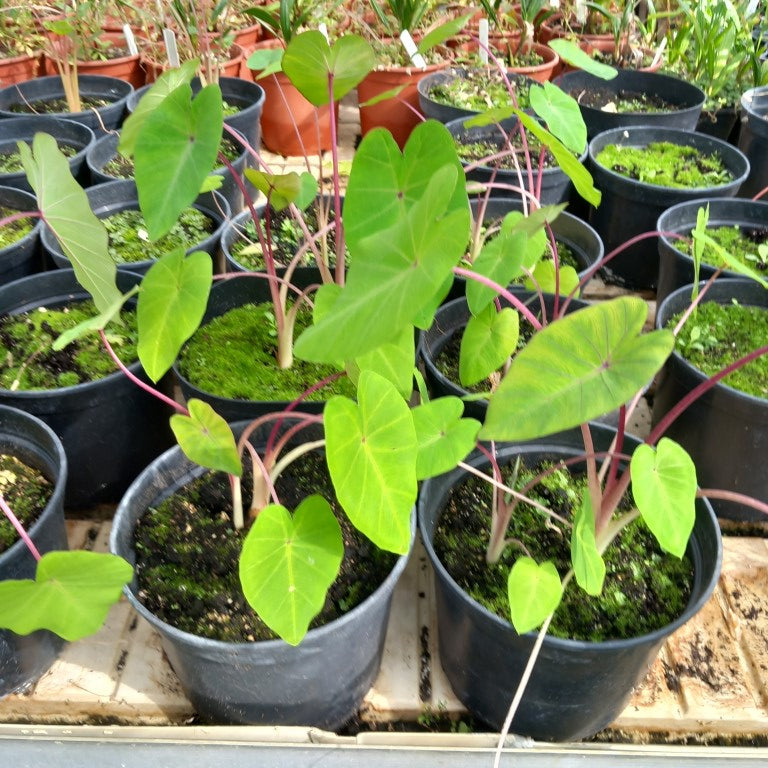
x: 323, y: 29
x: 412, y: 50
x: 482, y: 29
x: 169, y: 38
x: 130, y: 40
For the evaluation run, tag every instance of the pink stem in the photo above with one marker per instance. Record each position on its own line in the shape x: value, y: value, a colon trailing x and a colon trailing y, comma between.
x: 20, y: 215
x: 760, y: 193
x: 19, y: 528
x: 738, y: 498
x: 340, y: 261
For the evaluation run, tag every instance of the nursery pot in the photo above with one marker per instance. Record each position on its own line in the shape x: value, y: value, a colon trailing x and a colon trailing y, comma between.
x: 66, y: 132
x: 676, y: 267
x: 24, y: 658
x: 121, y: 195
x: 21, y: 258
x: 110, y: 428
x: 14, y: 98
x: 17, y: 69
x: 725, y: 431
x: 556, y: 187
x: 753, y: 139
x: 630, y: 207
x: 719, y: 123
x: 321, y: 682
x: 577, y: 687
x: 687, y: 99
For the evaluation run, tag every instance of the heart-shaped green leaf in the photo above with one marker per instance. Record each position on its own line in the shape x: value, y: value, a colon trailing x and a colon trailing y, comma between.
x: 288, y: 563
x: 588, y: 565
x: 70, y: 595
x: 175, y: 150
x: 68, y: 213
x: 534, y: 592
x: 577, y: 368
x: 488, y: 341
x: 561, y: 114
x: 172, y: 301
x: 371, y: 454
x: 664, y: 489
x: 284, y: 189
x: 443, y: 437
x: 571, y: 54
x: 544, y: 276
x: 309, y: 62
x: 393, y: 360
x: 265, y: 61
x: 206, y: 438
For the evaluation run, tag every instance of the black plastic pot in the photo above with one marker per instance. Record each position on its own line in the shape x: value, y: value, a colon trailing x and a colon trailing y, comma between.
x: 676, y: 267
x: 237, y: 92
x: 576, y: 687
x: 66, y: 132
x: 321, y: 682
x: 105, y: 149
x: 230, y: 294
x: 725, y: 431
x: 115, y: 196
x: 21, y: 258
x: 110, y: 428
x: 24, y: 658
x: 630, y: 207
x: 719, y: 123
x: 451, y: 319
x: 753, y: 139
x: 556, y: 187
x: 687, y: 99
x: 13, y: 98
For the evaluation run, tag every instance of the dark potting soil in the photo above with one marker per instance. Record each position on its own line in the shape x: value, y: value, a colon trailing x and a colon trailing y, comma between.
x: 56, y: 106
x: 479, y: 151
x: 26, y: 492
x: 235, y: 356
x: 14, y: 230
x: 187, y: 556
x: 749, y: 245
x: 717, y: 335
x: 28, y: 361
x: 622, y: 101
x: 644, y: 588
x: 10, y: 159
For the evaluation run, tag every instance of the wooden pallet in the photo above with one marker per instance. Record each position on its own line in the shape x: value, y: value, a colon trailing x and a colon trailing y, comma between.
x: 711, y: 676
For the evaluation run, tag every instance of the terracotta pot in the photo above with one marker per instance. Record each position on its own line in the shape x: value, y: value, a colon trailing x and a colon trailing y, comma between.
x: 554, y: 27
x: 247, y: 37
x: 18, y: 68
x: 400, y: 115
x: 231, y: 68
x: 541, y: 72
x: 291, y: 125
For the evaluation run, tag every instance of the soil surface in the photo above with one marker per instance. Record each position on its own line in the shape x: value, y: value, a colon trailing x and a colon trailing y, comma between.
x: 26, y: 492
x: 56, y: 106
x: 743, y: 243
x: 15, y: 230
x: 623, y: 100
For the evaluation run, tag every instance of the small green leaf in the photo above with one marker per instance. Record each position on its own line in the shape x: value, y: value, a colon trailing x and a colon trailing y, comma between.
x: 97, y: 323
x: 571, y: 54
x: 664, y: 489
x: 488, y: 341
x: 371, y: 453
x: 393, y: 360
x: 287, y: 565
x: 588, y: 565
x: 71, y: 594
x: 534, y: 592
x: 172, y: 302
x: 206, y: 438
x: 439, y: 34
x: 561, y: 114
x: 265, y: 61
x: 383, y: 96
x: 284, y: 189
x: 444, y: 438
x: 544, y: 275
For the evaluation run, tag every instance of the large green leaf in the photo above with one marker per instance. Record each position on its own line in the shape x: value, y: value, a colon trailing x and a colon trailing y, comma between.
x: 68, y: 213
x: 577, y: 368
x: 571, y: 54
x: 168, y: 82
x: 444, y: 438
x: 175, y: 150
x: 664, y: 489
x: 288, y: 563
x: 384, y: 183
x: 206, y: 438
x: 487, y: 343
x: 561, y: 114
x: 534, y: 592
x: 70, y: 594
x: 392, y: 275
x: 588, y: 565
x: 172, y: 301
x: 371, y: 452
x: 309, y: 62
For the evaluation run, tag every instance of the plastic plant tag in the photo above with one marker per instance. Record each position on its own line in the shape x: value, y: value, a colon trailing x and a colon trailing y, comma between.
x: 130, y: 40
x: 323, y: 29
x: 483, y: 33
x: 412, y: 50
x: 169, y: 39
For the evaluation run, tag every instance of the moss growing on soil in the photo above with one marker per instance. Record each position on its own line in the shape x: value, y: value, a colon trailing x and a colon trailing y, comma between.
x: 13, y: 232
x: 479, y: 90
x: 644, y: 588
x: 665, y: 164
x: 718, y: 335
x: 234, y: 356
x: 27, y: 492
x: 129, y: 242
x: 56, y: 106
x: 747, y: 244
x: 187, y: 557
x: 10, y: 161
x: 28, y: 362
x: 472, y: 152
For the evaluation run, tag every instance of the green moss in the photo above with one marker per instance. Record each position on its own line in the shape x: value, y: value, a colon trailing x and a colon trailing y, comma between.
x: 10, y: 161
x: 26, y: 491
x: 129, y: 242
x: 28, y: 361
x: 234, y: 356
x: 479, y: 90
x: 666, y: 165
x: 747, y: 245
x: 15, y: 230
x: 717, y: 335
x: 644, y: 588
